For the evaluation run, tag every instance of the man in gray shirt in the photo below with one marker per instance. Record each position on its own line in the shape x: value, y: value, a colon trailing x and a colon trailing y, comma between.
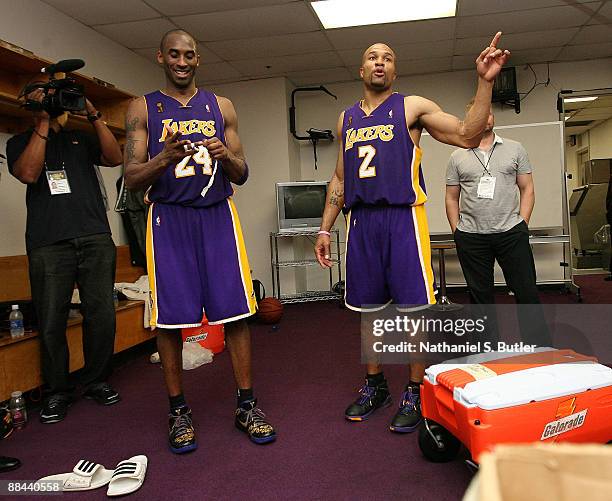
x: 489, y: 200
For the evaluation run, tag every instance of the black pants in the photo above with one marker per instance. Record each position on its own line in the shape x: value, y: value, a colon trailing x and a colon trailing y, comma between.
x: 477, y: 253
x: 54, y: 269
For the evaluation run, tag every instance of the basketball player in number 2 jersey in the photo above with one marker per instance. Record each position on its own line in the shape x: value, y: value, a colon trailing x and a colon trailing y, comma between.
x: 183, y: 145
x: 378, y: 180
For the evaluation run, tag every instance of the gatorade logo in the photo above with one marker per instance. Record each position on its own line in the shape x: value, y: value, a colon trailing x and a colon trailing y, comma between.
x: 196, y: 338
x: 564, y: 425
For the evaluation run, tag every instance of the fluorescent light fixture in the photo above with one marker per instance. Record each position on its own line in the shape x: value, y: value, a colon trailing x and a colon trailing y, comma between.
x: 579, y: 99
x: 343, y: 13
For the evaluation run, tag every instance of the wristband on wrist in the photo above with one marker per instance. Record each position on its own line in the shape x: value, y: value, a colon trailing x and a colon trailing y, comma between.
x: 46, y: 138
x: 323, y: 232
x: 94, y: 116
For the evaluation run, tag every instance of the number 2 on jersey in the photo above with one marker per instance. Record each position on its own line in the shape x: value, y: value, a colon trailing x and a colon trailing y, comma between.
x: 365, y: 169
x: 202, y: 157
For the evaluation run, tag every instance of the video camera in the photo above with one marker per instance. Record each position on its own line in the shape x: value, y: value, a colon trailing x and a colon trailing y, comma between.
x: 60, y: 95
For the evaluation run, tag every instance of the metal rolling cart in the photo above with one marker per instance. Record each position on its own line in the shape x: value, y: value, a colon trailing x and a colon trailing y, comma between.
x: 276, y: 265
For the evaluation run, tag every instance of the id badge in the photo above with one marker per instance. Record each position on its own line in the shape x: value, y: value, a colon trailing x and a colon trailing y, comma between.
x: 58, y: 182
x: 486, y: 187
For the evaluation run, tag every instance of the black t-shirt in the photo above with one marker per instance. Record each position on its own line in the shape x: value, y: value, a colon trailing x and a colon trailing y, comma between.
x: 53, y: 218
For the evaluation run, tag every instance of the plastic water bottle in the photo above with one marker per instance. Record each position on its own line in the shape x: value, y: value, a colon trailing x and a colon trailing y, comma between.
x: 115, y: 297
x: 17, y: 406
x: 16, y: 322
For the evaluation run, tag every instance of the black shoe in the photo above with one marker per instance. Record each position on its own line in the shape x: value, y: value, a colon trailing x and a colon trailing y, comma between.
x: 102, y: 393
x: 8, y: 464
x: 370, y: 399
x: 250, y: 419
x: 181, y: 433
x: 408, y: 416
x: 55, y: 408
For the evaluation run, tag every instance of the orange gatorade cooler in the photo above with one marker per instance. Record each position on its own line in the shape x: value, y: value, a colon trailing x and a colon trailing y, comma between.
x: 209, y: 336
x: 483, y: 400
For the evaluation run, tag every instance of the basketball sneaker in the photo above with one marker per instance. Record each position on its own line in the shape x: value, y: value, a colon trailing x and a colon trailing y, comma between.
x: 251, y: 420
x: 370, y: 399
x: 181, y: 433
x: 408, y: 416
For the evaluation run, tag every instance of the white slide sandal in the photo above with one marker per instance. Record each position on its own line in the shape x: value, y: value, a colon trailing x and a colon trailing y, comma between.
x: 85, y: 476
x: 128, y: 476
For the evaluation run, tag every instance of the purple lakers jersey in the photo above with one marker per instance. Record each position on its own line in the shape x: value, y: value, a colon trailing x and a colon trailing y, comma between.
x: 382, y: 166
x: 196, y: 180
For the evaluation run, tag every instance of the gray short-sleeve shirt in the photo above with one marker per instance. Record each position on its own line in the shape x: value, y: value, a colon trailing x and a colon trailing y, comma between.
x: 484, y: 215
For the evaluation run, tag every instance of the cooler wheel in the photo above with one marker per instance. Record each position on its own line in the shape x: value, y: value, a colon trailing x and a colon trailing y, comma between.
x: 437, y: 443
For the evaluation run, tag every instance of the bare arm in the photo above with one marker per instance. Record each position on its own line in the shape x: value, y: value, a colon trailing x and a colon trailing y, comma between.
x: 333, y: 204
x: 109, y: 147
x: 29, y: 165
x: 448, y: 128
x: 452, y: 205
x: 527, y: 195
x: 141, y: 173
x: 231, y: 156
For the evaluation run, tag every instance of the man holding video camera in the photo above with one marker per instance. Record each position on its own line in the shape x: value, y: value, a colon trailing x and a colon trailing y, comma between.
x: 68, y: 238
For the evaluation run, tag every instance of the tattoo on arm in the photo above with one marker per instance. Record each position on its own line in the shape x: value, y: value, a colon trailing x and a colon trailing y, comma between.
x: 337, y: 197
x: 129, y: 150
x: 130, y: 126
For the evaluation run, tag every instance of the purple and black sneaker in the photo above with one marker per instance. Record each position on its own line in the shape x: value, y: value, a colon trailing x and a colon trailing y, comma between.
x: 408, y: 416
x: 370, y: 399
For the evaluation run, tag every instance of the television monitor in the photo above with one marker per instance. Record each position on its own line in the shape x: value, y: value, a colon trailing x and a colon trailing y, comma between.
x: 300, y: 205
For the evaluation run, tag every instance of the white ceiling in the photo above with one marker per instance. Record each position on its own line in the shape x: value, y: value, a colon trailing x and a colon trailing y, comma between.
x: 583, y: 116
x: 245, y: 39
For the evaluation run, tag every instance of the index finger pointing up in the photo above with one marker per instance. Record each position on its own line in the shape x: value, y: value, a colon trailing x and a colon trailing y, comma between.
x: 495, y: 39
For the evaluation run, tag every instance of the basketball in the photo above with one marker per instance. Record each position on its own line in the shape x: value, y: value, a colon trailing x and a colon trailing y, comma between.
x: 270, y: 310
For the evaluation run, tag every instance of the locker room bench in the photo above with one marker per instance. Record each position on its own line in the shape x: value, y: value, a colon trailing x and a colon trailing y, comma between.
x: 20, y: 358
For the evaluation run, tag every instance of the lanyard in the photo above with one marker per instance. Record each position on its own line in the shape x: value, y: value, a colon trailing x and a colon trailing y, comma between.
x: 486, y: 167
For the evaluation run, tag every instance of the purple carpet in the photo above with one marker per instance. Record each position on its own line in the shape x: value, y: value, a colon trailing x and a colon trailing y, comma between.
x: 306, y: 373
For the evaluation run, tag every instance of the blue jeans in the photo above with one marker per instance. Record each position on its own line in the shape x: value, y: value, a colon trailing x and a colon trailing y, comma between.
x: 54, y: 269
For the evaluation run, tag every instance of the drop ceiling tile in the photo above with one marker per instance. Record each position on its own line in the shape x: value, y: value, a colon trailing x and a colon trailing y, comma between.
x: 283, y: 64
x: 362, y: 37
x: 422, y: 66
x: 109, y: 11
x: 604, y: 16
x: 206, y: 56
x: 523, y: 21
x: 216, y: 72
x: 479, y: 7
x: 593, y: 34
x: 174, y: 8
x: 465, y: 63
x: 533, y: 56
x: 316, y: 77
x: 137, y: 34
x: 280, y: 45
x: 404, y: 52
x: 587, y: 51
x: 249, y: 23
x: 517, y: 41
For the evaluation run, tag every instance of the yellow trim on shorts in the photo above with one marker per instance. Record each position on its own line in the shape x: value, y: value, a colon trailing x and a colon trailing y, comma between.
x: 243, y: 260
x: 419, y: 218
x: 420, y: 197
x: 151, y: 269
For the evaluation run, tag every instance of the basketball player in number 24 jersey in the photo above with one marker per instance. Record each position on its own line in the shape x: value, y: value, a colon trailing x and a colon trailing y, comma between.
x: 183, y: 144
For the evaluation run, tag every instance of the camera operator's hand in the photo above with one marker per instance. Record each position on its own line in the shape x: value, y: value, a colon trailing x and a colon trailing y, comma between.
x: 174, y: 149
x: 89, y: 109
x: 39, y: 115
